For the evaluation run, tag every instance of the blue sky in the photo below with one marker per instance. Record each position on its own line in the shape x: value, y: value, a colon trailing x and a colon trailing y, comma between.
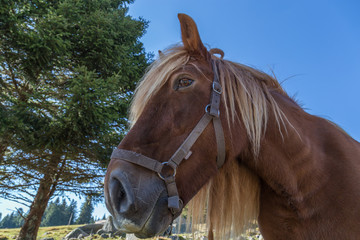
x: 313, y: 45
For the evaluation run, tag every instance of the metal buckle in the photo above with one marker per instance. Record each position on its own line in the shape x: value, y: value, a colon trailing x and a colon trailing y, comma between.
x: 207, y: 110
x: 166, y: 164
x: 217, y: 87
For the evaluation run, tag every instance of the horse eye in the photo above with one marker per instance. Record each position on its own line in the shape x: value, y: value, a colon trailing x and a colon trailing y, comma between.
x: 184, y: 82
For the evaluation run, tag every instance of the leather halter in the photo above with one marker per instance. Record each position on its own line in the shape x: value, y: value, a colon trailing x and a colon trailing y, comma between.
x: 212, y: 112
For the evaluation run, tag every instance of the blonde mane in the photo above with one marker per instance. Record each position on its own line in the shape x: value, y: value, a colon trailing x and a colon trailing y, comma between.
x: 155, y: 77
x: 229, y: 201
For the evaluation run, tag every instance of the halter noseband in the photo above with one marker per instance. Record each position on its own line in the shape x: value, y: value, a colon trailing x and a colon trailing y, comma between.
x: 212, y: 112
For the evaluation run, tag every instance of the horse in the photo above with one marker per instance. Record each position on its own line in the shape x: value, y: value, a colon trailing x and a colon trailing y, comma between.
x: 226, y: 140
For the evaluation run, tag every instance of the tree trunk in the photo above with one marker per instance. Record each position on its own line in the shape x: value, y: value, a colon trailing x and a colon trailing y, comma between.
x: 32, y: 221
x: 3, y: 148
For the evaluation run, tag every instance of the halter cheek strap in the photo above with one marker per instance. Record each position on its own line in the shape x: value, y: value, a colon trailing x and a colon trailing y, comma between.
x: 212, y: 112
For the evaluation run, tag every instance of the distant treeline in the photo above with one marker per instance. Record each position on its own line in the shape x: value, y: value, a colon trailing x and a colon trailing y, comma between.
x: 56, y: 214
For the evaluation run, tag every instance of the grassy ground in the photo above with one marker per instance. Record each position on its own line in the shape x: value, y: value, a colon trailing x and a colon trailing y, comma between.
x: 55, y: 232
x: 61, y: 231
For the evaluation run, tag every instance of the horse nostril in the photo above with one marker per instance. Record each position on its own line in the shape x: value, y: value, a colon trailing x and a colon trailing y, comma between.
x: 121, y: 195
x: 117, y: 193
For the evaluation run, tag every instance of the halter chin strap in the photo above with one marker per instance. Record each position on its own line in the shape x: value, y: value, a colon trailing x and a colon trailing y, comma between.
x: 212, y: 112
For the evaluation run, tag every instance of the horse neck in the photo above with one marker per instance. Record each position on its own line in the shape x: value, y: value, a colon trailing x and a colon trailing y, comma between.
x: 303, y: 160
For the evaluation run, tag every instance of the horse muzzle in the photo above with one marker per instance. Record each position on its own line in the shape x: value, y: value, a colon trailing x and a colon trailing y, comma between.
x: 137, y: 199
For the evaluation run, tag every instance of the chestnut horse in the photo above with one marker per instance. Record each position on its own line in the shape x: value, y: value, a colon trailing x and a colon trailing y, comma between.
x: 230, y: 135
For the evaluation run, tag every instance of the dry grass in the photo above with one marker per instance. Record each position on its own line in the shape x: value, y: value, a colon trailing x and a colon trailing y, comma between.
x: 59, y: 232
x: 52, y: 232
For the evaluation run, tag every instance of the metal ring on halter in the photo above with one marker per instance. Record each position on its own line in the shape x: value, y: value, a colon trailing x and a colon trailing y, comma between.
x: 217, y: 88
x: 207, y: 110
x: 174, y: 169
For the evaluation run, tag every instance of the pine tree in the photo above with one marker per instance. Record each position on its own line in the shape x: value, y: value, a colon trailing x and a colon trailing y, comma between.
x: 67, y: 72
x: 86, y: 212
x: 8, y: 221
x: 71, y: 210
x: 59, y: 213
x: 13, y: 220
x: 51, y: 213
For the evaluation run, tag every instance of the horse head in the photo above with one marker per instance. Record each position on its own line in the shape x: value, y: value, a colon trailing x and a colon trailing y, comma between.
x: 171, y: 102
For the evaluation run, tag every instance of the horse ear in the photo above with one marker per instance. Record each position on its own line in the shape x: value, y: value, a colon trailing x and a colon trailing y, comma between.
x: 161, y: 54
x: 190, y: 36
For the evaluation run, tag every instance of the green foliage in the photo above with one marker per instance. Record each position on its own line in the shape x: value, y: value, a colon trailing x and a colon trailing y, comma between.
x: 86, y: 212
x: 68, y: 70
x: 12, y: 220
x: 59, y: 213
